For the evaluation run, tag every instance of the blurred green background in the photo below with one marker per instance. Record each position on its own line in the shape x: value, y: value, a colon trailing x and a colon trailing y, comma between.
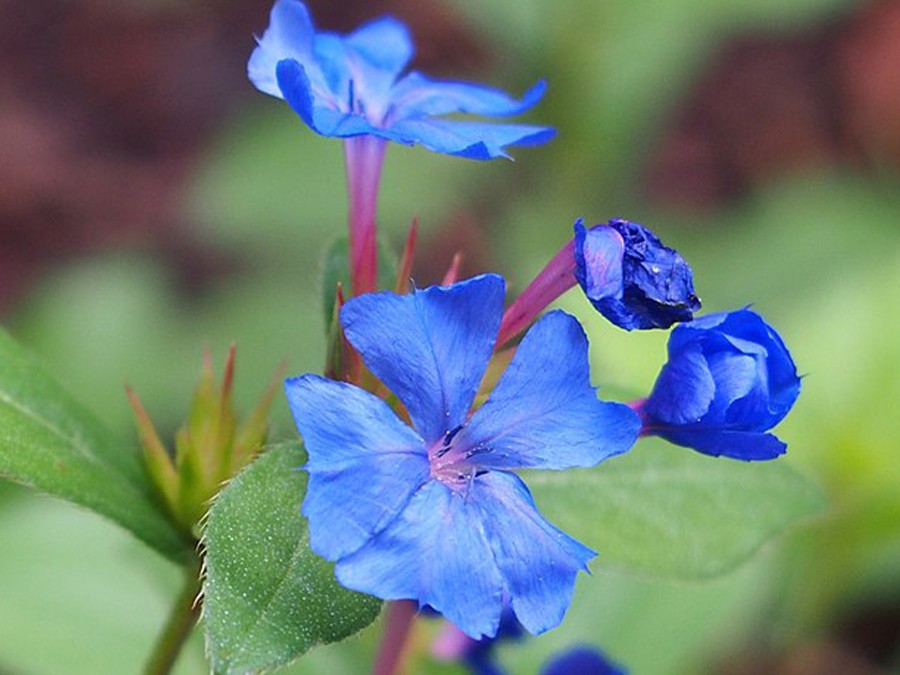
x: 669, y: 114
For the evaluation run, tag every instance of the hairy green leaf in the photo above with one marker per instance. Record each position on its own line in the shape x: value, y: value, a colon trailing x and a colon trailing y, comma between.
x: 267, y: 597
x: 50, y: 443
x: 670, y: 511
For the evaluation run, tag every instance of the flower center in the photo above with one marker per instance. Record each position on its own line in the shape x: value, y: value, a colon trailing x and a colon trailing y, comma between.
x: 451, y: 461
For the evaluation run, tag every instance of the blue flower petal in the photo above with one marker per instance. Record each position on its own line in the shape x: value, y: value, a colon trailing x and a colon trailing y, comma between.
x: 745, y: 445
x: 538, y: 562
x: 290, y: 35
x: 473, y: 140
x: 435, y: 551
x: 598, y: 261
x: 660, y: 281
x: 782, y: 380
x: 417, y: 95
x: 431, y: 347
x: 362, y: 67
x: 364, y: 463
x: 581, y: 661
x: 544, y: 413
x: 384, y: 43
x: 332, y: 58
x: 684, y: 389
x: 297, y: 90
x: 740, y: 393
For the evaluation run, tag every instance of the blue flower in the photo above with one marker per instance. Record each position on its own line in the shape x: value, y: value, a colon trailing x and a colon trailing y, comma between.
x: 353, y: 85
x: 729, y: 379
x: 430, y: 510
x: 631, y: 277
x: 582, y: 661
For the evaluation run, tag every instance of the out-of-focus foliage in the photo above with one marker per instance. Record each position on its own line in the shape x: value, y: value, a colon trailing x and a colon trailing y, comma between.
x: 817, y: 255
x: 50, y: 443
x: 670, y: 512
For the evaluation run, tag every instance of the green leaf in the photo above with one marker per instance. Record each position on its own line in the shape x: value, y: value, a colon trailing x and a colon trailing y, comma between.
x: 50, y: 443
x: 267, y: 597
x: 671, y: 511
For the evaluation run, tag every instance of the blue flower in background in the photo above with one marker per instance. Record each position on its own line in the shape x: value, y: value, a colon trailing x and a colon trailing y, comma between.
x: 582, y: 661
x: 354, y: 85
x: 431, y: 511
x: 631, y: 277
x: 729, y: 379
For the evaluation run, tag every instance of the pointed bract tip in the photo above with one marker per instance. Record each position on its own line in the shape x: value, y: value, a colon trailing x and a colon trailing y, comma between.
x: 452, y: 274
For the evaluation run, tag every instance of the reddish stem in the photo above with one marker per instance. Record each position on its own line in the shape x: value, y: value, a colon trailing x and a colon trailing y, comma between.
x: 554, y: 280
x: 638, y: 407
x: 363, y: 158
x: 397, y: 624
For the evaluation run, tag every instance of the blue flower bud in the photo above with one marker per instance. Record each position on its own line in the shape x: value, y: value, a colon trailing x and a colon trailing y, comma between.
x: 729, y: 379
x: 631, y: 277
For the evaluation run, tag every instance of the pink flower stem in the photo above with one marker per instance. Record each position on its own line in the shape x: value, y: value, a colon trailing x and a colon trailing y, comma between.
x: 363, y: 157
x: 638, y: 407
x: 554, y: 280
x: 397, y: 624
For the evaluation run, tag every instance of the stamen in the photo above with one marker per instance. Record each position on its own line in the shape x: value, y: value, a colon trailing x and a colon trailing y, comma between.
x: 447, y: 441
x: 449, y: 436
x: 469, y: 484
x: 479, y: 450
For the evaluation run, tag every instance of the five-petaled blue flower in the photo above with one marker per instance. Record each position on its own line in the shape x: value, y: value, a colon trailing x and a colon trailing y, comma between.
x: 431, y: 511
x: 631, y: 277
x: 729, y: 379
x: 353, y: 85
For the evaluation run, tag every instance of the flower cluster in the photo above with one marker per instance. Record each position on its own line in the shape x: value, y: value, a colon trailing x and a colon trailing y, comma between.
x: 413, y: 451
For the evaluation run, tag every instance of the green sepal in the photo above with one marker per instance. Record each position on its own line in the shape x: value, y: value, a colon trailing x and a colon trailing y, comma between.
x: 336, y: 270
x: 209, y: 448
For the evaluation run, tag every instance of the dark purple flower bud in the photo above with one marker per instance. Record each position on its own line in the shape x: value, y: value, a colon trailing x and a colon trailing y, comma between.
x: 729, y: 380
x: 582, y: 661
x: 631, y: 277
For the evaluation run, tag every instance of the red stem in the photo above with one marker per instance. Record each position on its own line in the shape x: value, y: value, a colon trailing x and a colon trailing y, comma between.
x: 397, y: 624
x: 554, y: 280
x: 363, y: 157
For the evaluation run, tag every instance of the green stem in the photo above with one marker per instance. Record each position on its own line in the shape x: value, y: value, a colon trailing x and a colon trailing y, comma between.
x: 177, y: 629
